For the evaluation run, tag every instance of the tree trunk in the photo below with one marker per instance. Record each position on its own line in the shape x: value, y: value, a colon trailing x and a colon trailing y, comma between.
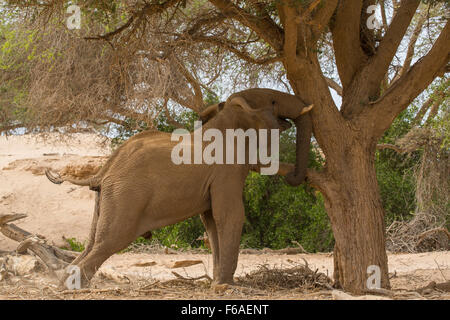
x: 353, y: 203
x: 348, y: 182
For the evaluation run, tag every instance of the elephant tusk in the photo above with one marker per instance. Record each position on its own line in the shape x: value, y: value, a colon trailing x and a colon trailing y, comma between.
x: 307, y: 109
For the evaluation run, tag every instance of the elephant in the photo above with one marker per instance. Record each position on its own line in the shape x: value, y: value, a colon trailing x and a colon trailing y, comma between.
x: 140, y: 189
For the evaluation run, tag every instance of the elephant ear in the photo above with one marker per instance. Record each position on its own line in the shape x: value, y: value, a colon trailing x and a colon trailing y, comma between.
x: 210, y: 112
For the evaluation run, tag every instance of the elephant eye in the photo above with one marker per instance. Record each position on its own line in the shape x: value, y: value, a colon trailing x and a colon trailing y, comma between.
x: 273, y: 102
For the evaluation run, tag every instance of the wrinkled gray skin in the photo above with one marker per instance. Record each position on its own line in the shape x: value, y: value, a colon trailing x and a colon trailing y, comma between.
x: 139, y: 189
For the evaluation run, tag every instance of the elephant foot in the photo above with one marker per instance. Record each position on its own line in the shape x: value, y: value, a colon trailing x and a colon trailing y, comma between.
x: 71, y: 279
x: 227, y: 289
x: 220, y: 286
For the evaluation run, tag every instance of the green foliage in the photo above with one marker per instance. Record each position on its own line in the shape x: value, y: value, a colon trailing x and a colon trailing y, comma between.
x: 211, y: 98
x: 395, y: 172
x: 278, y: 216
x: 132, y: 127
x: 75, y: 245
x: 182, y: 235
x: 186, y: 118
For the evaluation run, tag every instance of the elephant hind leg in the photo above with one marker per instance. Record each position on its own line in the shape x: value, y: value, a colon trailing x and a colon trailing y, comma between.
x: 116, y: 227
x: 115, y: 238
x: 211, y: 230
x: 91, y: 238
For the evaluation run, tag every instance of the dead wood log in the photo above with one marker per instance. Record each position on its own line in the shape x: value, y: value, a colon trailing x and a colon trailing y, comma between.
x: 6, y: 218
x: 287, y: 251
x: 53, y: 257
x: 35, y: 245
x: 340, y: 295
x: 179, y: 276
x: 444, y: 286
x: 112, y: 274
x: 185, y: 263
x: 426, y: 234
x: 14, y: 232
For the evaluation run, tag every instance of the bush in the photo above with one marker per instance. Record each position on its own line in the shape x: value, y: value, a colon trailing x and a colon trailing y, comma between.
x: 395, y: 172
x: 181, y: 235
x: 75, y: 245
x: 278, y: 216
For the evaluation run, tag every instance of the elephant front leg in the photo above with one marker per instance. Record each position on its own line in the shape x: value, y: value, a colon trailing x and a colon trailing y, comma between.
x: 211, y: 230
x: 228, y: 214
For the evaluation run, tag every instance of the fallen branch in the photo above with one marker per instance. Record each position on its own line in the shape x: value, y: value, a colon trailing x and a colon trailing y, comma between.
x: 340, y: 295
x: 28, y: 242
x: 380, y: 291
x: 111, y: 274
x: 88, y: 290
x: 185, y: 263
x: 179, y: 276
x: 288, y: 251
x: 53, y: 257
x: 14, y: 232
x: 6, y: 218
x: 445, y: 287
x: 426, y: 234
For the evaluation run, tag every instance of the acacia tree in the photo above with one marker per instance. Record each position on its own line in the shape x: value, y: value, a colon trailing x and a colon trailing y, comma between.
x: 188, y: 45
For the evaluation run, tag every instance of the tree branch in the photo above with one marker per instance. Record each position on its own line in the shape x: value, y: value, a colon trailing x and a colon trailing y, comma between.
x: 148, y: 10
x: 413, y: 40
x: 383, y: 146
x: 323, y: 15
x: 379, y: 64
x: 264, y: 26
x: 107, y: 120
x: 367, y: 83
x: 209, y: 20
x: 170, y: 119
x: 198, y: 95
x: 423, y: 110
x: 346, y: 40
x: 442, y: 96
x: 383, y: 14
x: 412, y: 83
x: 334, y: 85
x: 12, y: 127
x: 290, y: 34
x: 230, y: 46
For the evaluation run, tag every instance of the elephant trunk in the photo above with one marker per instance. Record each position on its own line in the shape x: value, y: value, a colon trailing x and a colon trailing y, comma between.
x: 303, y: 125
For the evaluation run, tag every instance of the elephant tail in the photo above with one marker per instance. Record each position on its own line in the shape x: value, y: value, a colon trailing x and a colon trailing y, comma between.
x: 55, y: 178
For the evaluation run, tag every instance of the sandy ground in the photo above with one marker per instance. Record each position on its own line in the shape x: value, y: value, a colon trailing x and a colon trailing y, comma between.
x: 65, y: 210
x: 53, y: 210
x: 152, y: 276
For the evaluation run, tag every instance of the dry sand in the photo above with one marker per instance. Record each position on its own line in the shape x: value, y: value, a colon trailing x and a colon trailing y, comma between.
x: 55, y: 211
